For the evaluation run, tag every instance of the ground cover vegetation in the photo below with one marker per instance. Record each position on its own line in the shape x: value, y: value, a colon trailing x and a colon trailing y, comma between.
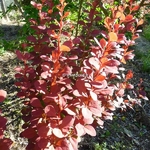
x: 72, y: 77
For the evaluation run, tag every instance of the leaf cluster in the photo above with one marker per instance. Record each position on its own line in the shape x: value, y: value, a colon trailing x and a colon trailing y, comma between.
x: 71, y: 84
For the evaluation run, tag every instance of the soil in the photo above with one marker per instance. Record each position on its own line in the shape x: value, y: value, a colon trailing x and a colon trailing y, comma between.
x: 128, y: 130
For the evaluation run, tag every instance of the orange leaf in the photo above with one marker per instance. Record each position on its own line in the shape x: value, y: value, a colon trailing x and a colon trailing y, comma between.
x: 123, y: 61
x: 66, y: 14
x: 121, y: 8
x: 50, y: 11
x: 100, y: 78
x: 64, y: 48
x: 62, y: 1
x: 122, y: 17
x: 104, y: 60
x: 140, y: 22
x: 129, y: 75
x: 113, y: 36
x: 118, y: 14
x: 107, y: 22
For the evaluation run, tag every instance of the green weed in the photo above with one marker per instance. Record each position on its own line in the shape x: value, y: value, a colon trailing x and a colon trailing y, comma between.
x: 102, y: 146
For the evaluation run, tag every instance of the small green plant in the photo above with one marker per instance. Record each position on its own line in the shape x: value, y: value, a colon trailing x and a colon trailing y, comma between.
x: 102, y: 146
x: 118, y: 146
x: 106, y: 134
x: 146, y: 32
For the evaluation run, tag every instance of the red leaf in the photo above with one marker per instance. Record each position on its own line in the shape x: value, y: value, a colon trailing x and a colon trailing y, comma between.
x: 67, y: 122
x: 95, y: 33
x: 70, y: 112
x: 44, y: 131
x: 50, y: 110
x: 99, y: 85
x: 76, y: 93
x: 76, y: 40
x: 112, y: 62
x: 33, y: 3
x: 43, y: 27
x: 94, y: 62
x: 93, y: 95
x: 31, y: 38
x: 135, y: 8
x: 91, y: 14
x: 81, y: 86
x: 46, y: 66
x: 128, y: 18
x: 63, y: 144
x: 1, y: 133
x: 2, y: 122
x: 74, y: 143
x: 45, y: 75
x: 3, y: 95
x: 19, y: 55
x: 5, y: 144
x: 37, y: 112
x: 81, y: 23
x: 80, y: 129
x: 129, y: 86
x: 52, y: 33
x: 120, y: 92
x: 108, y: 91
x: 46, y: 58
x: 43, y: 143
x: 87, y: 114
x: 58, y: 133
x: 100, y: 122
x: 35, y: 102
x: 95, y: 108
x: 103, y: 43
x: 113, y: 69
x: 74, y: 57
x: 129, y: 56
x: 28, y: 133
x: 90, y: 130
x: 40, y: 86
x: 18, y: 75
x: 68, y: 43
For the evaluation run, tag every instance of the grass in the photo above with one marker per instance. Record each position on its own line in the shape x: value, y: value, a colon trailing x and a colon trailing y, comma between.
x: 146, y: 32
x: 144, y: 57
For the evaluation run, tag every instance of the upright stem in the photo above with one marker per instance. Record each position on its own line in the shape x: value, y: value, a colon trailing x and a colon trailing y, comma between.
x: 79, y: 15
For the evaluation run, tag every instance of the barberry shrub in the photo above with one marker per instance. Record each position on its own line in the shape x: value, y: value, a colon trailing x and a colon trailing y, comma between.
x: 5, y: 143
x: 71, y: 84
